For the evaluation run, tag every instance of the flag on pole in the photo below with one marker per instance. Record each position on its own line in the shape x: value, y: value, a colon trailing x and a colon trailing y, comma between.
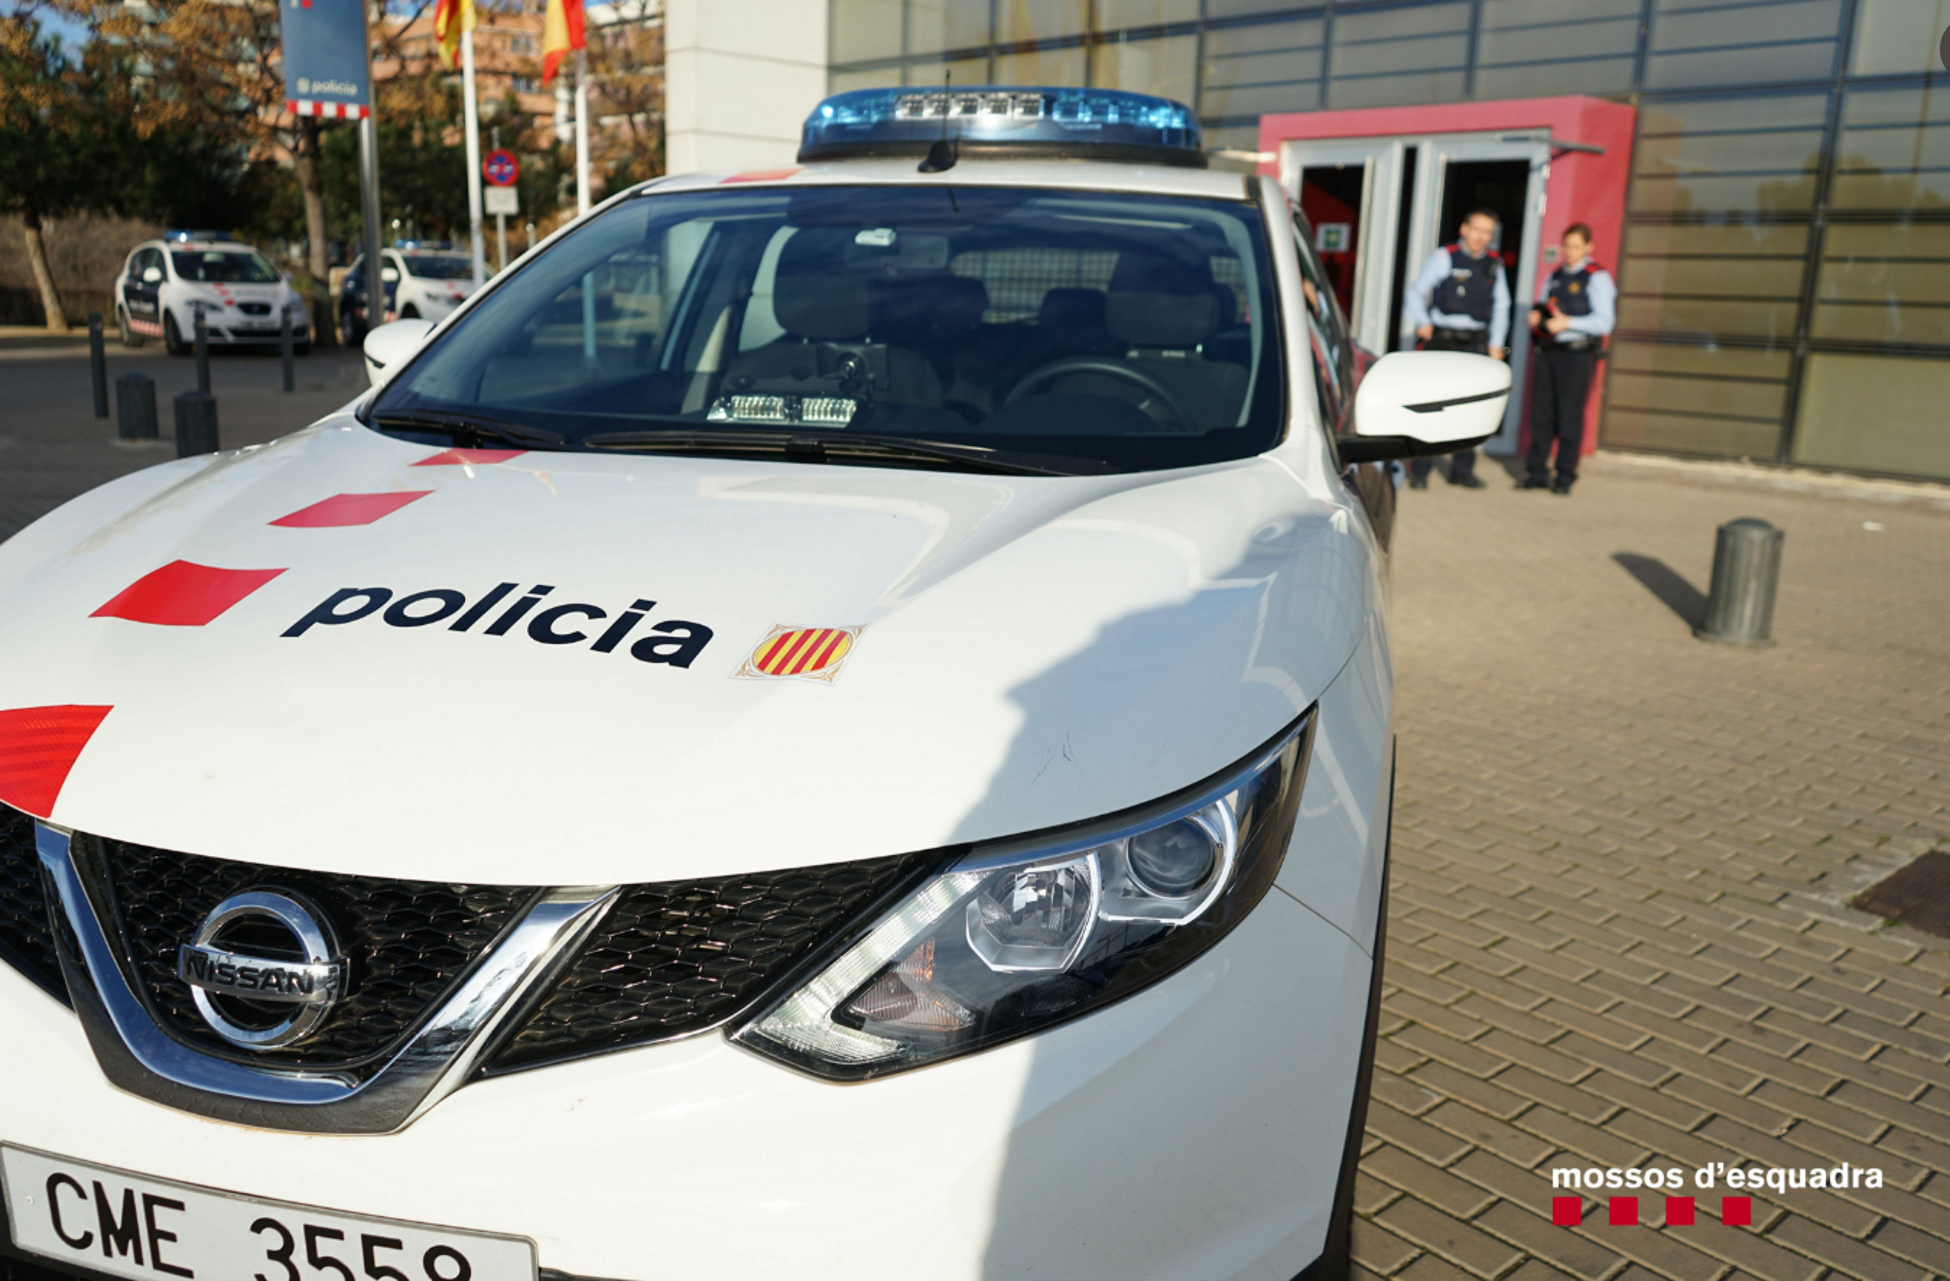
x: 561, y: 32
x: 450, y: 18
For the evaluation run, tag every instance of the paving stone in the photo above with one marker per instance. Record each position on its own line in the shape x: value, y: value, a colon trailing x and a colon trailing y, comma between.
x: 1379, y: 1249
x: 1569, y: 1249
x: 1455, y: 1241
x: 1416, y: 1177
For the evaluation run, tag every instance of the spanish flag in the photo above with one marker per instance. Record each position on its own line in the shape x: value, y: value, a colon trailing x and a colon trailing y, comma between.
x: 450, y: 18
x: 561, y: 32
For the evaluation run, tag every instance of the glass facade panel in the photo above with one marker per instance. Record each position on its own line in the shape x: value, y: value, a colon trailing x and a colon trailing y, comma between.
x: 870, y: 78
x: 1740, y: 155
x: 1373, y: 53
x: 1884, y: 282
x: 1167, y: 66
x: 1725, y: 402
x: 1116, y: 15
x: 1526, y: 48
x: 1714, y: 43
x: 1041, y: 67
x: 866, y: 29
x: 1894, y: 149
x: 1271, y: 66
x: 961, y: 71
x: 1875, y: 413
x: 937, y: 25
x: 1898, y: 37
x: 1023, y: 20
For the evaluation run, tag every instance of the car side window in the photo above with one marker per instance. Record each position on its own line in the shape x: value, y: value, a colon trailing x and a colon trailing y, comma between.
x: 1333, y: 359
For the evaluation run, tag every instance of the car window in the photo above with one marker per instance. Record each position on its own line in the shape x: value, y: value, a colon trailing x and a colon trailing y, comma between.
x: 226, y: 266
x: 1135, y: 330
x: 440, y: 266
x: 1332, y: 349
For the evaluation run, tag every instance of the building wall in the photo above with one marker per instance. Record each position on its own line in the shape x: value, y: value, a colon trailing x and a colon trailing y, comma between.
x: 1785, y: 275
x: 740, y: 78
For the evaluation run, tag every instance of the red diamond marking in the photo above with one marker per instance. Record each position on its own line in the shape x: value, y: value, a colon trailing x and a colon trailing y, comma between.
x: 38, y: 746
x: 457, y: 457
x: 1567, y: 1211
x: 1737, y: 1211
x: 184, y: 594
x: 1679, y: 1212
x: 348, y: 509
x: 1624, y: 1211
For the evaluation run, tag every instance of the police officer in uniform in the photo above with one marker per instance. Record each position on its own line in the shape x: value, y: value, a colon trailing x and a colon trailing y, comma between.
x: 1575, y: 309
x: 1460, y: 301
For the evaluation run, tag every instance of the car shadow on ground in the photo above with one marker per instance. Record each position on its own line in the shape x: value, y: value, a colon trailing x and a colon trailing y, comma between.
x: 1663, y: 581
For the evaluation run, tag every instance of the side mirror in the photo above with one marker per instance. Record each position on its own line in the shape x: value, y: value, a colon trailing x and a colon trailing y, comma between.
x: 1417, y: 403
x: 391, y: 346
x: 151, y: 275
x: 388, y: 275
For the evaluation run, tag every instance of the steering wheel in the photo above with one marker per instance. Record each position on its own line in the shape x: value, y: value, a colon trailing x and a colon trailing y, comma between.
x: 1158, y: 402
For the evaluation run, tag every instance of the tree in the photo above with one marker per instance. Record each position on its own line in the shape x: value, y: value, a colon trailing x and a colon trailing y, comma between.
x: 626, y: 72
x: 60, y: 141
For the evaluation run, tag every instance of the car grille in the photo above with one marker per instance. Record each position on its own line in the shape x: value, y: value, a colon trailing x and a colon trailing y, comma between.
x: 25, y: 939
x: 254, y: 308
x: 408, y: 943
x: 681, y: 957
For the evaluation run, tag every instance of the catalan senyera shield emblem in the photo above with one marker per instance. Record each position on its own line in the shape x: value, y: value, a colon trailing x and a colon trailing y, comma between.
x: 809, y: 653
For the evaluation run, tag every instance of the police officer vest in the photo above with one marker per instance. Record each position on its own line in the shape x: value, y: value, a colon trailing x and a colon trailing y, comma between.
x: 1471, y: 287
x: 1571, y: 290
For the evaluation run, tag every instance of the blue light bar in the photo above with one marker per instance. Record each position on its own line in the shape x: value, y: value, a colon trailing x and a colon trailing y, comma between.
x: 1025, y: 121
x: 181, y: 236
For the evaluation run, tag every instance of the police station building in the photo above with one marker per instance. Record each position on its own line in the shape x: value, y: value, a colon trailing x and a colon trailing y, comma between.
x: 1768, y: 179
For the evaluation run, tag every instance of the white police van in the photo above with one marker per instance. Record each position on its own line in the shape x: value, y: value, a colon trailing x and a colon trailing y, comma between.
x: 835, y: 722
x: 164, y: 283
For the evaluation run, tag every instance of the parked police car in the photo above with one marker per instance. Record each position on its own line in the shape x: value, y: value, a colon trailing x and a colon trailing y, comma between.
x: 421, y: 283
x: 164, y: 283
x: 835, y: 723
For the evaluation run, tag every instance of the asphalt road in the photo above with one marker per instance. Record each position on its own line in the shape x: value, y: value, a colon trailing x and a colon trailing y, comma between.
x: 52, y: 446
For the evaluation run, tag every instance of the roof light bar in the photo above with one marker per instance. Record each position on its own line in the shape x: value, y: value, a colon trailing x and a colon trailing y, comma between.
x: 1008, y: 122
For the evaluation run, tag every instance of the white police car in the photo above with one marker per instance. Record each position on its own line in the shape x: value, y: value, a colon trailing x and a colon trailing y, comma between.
x: 423, y: 282
x: 833, y: 723
x: 164, y: 283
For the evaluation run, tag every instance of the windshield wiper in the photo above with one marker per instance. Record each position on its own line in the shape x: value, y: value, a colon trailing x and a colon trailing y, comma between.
x: 472, y: 426
x: 828, y: 446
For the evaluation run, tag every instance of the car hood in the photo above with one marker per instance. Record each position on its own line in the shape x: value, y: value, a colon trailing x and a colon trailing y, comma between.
x: 1002, y: 654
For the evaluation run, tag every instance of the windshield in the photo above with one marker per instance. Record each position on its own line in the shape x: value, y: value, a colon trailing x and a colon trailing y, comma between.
x: 1111, y: 331
x: 229, y: 266
x: 440, y: 266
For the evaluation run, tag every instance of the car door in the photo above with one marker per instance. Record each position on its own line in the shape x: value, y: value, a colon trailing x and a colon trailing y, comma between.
x: 143, y: 296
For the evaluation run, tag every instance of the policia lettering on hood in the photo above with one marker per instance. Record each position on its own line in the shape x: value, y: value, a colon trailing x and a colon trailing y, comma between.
x: 676, y: 642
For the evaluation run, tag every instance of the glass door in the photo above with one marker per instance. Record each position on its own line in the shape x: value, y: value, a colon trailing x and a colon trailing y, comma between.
x: 1351, y: 192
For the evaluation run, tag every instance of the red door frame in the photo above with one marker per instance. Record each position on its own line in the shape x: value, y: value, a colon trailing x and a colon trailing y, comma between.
x: 1583, y: 187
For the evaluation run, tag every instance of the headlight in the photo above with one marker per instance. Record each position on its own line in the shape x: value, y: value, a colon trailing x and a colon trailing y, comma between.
x: 1021, y: 934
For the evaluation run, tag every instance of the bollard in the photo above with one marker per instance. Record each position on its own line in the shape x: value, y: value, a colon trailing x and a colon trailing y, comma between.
x: 284, y: 351
x: 135, y: 407
x: 98, y: 363
x: 202, y: 354
x: 196, y: 423
x: 1746, y: 570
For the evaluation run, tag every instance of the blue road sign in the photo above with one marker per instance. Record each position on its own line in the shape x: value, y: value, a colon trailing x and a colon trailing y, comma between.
x: 325, y: 67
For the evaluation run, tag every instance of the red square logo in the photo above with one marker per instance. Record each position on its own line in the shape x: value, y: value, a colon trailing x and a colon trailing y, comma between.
x: 1737, y: 1211
x: 184, y: 594
x: 1624, y: 1211
x: 38, y: 746
x: 1679, y: 1212
x: 456, y: 457
x: 1567, y: 1211
x: 348, y: 509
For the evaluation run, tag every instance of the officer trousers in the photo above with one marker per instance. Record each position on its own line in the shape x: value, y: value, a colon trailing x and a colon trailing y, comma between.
x: 1463, y: 462
x: 1557, y: 396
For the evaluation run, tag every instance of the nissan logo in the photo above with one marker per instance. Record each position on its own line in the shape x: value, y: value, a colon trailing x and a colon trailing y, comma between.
x: 263, y: 969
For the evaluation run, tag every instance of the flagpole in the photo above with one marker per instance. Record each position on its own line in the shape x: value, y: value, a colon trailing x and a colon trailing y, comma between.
x: 471, y: 126
x: 582, y: 132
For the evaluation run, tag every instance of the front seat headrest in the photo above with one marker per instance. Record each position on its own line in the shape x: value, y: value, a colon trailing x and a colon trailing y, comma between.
x: 1159, y: 301
x: 813, y: 297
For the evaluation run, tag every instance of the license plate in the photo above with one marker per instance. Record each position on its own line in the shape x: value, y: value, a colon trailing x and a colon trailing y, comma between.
x: 131, y: 1225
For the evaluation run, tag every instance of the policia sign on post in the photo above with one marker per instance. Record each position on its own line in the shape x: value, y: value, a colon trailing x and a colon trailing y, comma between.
x: 325, y: 68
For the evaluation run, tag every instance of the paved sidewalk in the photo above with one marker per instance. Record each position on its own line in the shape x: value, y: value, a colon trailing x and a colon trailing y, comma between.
x: 1618, y: 935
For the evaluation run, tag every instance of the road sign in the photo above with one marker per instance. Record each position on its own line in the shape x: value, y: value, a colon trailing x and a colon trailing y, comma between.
x: 325, y: 72
x: 500, y: 168
x: 502, y: 200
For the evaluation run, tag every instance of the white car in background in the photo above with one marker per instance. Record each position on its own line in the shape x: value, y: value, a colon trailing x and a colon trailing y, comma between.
x: 836, y: 724
x: 164, y: 283
x: 421, y: 284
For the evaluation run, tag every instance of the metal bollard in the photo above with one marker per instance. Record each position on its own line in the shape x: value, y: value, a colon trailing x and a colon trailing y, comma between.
x: 98, y: 363
x: 196, y: 423
x: 284, y: 351
x: 1746, y: 571
x: 202, y: 354
x: 135, y: 407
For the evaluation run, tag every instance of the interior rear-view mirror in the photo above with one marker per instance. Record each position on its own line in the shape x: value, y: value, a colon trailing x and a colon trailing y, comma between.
x: 391, y: 346
x: 1417, y: 403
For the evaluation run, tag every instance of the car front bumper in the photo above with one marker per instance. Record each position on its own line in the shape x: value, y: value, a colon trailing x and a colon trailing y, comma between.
x: 1195, y: 1130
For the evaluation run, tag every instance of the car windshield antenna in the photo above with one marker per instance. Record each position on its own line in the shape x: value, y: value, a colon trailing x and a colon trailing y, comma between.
x: 943, y: 154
